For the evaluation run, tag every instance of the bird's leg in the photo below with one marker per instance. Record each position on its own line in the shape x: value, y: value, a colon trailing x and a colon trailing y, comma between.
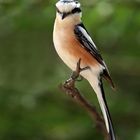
x: 70, y: 83
x: 76, y: 74
x: 79, y: 69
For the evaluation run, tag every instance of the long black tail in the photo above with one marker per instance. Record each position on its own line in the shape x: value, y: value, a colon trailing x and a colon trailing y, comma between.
x: 105, y: 111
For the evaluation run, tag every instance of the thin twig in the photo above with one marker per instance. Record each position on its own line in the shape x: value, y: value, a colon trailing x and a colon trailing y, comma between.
x: 69, y: 88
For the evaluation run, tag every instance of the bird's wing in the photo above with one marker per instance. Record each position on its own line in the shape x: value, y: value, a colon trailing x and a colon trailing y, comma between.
x: 84, y: 38
x: 86, y: 41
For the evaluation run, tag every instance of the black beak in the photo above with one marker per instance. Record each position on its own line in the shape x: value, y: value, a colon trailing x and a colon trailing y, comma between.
x: 63, y: 15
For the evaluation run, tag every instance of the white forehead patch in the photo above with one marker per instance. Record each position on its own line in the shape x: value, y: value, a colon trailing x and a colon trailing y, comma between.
x: 67, y: 5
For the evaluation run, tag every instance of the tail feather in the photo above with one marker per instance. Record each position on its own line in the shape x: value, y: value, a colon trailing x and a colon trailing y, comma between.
x: 105, y: 111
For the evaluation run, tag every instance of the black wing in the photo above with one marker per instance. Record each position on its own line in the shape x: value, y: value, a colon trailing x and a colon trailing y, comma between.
x: 86, y: 41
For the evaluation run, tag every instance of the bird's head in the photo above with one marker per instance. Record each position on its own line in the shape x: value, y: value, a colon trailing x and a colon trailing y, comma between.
x: 67, y: 8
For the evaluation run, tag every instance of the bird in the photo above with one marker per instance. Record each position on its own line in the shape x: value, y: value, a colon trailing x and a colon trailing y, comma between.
x: 72, y: 42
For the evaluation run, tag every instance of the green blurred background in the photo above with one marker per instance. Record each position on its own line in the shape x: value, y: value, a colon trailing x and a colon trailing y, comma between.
x: 32, y: 107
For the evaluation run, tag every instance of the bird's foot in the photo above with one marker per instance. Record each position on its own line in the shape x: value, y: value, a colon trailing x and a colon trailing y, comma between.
x: 70, y: 83
x: 76, y: 74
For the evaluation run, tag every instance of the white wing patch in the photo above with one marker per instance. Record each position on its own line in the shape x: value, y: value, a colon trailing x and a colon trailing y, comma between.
x: 87, y: 36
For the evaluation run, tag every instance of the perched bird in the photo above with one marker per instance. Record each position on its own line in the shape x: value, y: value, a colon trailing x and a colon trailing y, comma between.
x: 72, y: 42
